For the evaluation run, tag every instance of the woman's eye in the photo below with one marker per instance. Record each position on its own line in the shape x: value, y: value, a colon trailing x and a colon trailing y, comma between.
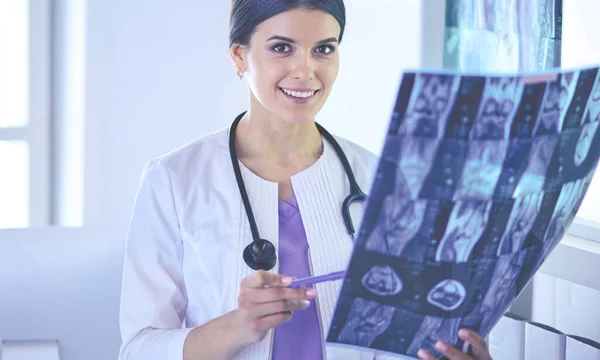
x: 325, y: 49
x: 281, y: 48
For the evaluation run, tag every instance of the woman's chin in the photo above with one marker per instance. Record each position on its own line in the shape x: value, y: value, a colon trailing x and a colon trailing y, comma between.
x: 300, y: 112
x: 297, y: 117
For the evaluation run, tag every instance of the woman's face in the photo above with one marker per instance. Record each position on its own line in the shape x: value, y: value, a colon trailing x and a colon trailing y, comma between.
x: 291, y: 64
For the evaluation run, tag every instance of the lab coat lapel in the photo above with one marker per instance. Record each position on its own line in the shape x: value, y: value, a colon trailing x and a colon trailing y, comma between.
x: 263, y: 196
x: 320, y: 191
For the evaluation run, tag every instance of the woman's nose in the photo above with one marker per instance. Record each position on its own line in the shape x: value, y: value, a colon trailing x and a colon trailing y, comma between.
x: 304, y: 67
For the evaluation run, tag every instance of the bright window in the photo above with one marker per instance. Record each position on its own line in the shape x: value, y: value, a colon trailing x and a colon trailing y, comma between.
x: 14, y: 86
x: 24, y: 113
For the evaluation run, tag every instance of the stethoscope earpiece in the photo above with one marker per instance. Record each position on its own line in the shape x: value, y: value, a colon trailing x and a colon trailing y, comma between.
x: 260, y: 255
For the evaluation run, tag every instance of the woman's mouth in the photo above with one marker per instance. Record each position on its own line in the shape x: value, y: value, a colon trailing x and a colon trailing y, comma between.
x: 299, y: 95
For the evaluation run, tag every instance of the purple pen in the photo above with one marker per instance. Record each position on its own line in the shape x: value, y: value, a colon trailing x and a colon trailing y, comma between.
x: 305, y: 282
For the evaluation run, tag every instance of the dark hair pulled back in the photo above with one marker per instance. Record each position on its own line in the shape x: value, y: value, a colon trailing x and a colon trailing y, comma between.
x: 246, y: 15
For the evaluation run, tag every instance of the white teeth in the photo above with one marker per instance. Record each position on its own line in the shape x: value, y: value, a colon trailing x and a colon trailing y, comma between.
x: 299, y: 94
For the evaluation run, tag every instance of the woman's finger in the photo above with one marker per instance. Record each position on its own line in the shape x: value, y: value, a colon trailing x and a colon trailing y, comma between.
x: 276, y: 307
x: 425, y: 355
x: 262, y: 279
x: 260, y: 296
x: 479, y: 347
x: 269, y: 322
x: 451, y: 352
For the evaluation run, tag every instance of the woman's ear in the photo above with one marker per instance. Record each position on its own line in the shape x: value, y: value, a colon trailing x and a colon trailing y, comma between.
x: 238, y: 56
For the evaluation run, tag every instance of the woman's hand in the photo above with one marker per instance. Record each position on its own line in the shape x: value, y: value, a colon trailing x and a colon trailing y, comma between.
x: 479, y: 348
x: 266, y: 301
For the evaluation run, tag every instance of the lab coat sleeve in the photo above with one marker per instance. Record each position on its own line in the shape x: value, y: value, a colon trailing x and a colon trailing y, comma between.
x: 153, y: 296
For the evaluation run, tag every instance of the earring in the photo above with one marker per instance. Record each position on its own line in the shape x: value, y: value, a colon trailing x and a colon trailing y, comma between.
x: 240, y: 74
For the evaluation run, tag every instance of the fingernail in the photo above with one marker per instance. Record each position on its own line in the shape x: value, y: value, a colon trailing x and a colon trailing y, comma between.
x: 311, y: 292
x: 286, y: 280
x: 305, y: 303
x: 441, y: 346
x: 422, y: 355
x: 463, y: 333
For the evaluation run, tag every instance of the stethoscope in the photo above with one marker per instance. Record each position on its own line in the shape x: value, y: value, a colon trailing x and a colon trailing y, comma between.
x: 261, y: 254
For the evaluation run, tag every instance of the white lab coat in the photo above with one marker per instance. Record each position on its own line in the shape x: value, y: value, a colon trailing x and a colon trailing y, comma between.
x: 183, y: 260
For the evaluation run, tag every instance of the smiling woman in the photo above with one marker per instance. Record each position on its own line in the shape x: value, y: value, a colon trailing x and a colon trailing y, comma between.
x: 291, y: 60
x: 196, y: 283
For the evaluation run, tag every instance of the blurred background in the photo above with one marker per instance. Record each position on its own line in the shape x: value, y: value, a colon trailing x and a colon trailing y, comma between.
x: 90, y: 90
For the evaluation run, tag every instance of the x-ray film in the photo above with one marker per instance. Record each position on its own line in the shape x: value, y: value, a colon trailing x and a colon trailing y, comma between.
x: 479, y: 179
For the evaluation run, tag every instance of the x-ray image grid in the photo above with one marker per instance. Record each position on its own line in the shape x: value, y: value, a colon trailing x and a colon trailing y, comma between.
x: 479, y: 179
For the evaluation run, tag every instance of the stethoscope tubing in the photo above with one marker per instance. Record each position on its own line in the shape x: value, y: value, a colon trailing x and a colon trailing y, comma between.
x: 356, y: 194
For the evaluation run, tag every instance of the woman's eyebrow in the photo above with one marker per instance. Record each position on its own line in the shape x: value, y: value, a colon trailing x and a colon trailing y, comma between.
x: 282, y: 38
x: 291, y: 41
x: 329, y: 40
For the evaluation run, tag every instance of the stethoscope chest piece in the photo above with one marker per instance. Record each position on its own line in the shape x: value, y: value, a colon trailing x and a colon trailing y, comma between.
x: 260, y: 255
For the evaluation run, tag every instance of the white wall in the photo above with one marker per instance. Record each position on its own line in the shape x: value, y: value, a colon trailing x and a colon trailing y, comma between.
x: 374, y: 53
x: 159, y: 75
x: 580, y: 45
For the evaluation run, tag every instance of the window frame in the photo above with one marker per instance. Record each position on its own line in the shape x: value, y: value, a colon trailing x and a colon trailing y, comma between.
x: 37, y: 131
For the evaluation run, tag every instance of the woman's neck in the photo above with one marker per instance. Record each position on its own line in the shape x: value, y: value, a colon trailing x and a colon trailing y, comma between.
x: 275, y: 150
x: 269, y: 138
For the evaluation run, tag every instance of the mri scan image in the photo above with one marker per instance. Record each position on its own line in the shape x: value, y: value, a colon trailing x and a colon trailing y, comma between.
x: 567, y: 204
x: 431, y: 99
x: 445, y: 327
x: 558, y: 96
x: 501, y: 289
x: 465, y: 226
x: 584, y: 142
x: 593, y: 109
x: 448, y: 165
x: 416, y: 162
x: 447, y: 294
x: 481, y: 170
x: 401, y: 216
x: 381, y: 280
x: 534, y: 178
x: 425, y: 245
x: 522, y: 216
x: 478, y: 180
x: 401, y: 220
x: 500, y: 214
x: 497, y: 108
x: 367, y: 320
